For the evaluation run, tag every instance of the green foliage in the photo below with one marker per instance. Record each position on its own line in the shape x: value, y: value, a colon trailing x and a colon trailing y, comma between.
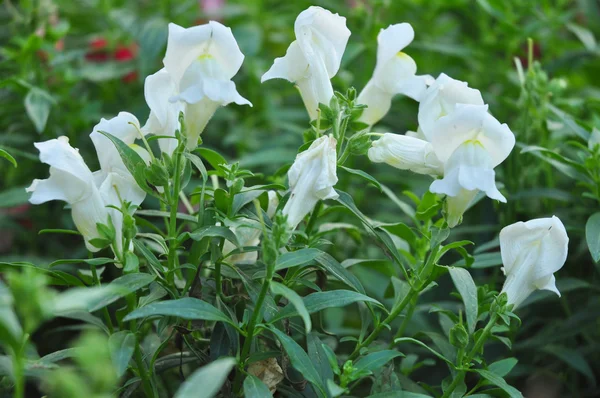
x: 372, y: 295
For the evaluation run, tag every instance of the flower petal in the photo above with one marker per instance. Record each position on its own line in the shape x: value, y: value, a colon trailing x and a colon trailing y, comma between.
x: 405, y: 153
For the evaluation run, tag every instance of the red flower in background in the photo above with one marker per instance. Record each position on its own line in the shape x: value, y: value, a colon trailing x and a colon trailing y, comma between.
x: 99, y: 52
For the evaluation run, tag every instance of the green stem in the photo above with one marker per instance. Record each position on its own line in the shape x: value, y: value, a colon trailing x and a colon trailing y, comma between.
x: 460, y: 376
x: 313, y: 218
x: 19, y: 368
x: 402, y: 328
x: 148, y: 389
x: 105, y: 312
x: 252, y: 325
x: 173, y: 220
x: 393, y: 315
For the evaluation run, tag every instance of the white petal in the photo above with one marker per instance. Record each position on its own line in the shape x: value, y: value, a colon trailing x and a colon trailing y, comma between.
x: 326, y: 33
x: 273, y: 203
x: 315, y: 90
x: 457, y: 205
x: 472, y: 123
x: 378, y: 103
x: 158, y: 88
x: 441, y: 98
x: 405, y: 153
x: 311, y: 178
x: 197, y: 117
x: 468, y: 168
x: 292, y: 67
x: 392, y: 40
x: 126, y: 127
x: 185, y: 46
x: 86, y: 214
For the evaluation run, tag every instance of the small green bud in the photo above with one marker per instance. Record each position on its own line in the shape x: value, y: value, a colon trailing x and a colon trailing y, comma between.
x: 157, y: 174
x: 360, y: 144
x: 459, y: 337
x: 129, y: 227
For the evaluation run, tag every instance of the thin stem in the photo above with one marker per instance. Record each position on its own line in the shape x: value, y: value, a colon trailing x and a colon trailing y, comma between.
x: 407, y: 317
x: 173, y: 219
x: 146, y: 144
x: 19, y: 368
x: 478, y: 344
x: 393, y: 315
x: 186, y: 203
x: 146, y: 383
x: 252, y: 325
x: 313, y: 217
x: 105, y: 312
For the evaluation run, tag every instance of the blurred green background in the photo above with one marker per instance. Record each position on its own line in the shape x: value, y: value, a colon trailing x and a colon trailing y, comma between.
x: 66, y: 64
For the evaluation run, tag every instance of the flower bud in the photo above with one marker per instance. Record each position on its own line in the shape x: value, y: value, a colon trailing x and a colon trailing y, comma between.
x: 459, y: 337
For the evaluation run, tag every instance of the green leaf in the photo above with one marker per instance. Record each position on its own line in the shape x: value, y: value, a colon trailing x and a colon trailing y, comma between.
x: 434, y: 352
x: 186, y: 308
x: 212, y: 231
x: 574, y: 359
x: 132, y: 160
x: 318, y: 301
x: 196, y: 161
x: 483, y: 260
x: 468, y: 290
x: 500, y: 382
x: 295, y: 300
x: 300, y: 361
x: 213, y: 158
x: 37, y: 105
x: 375, y: 360
x: 206, y: 381
x: 121, y: 346
x: 10, y: 328
x: 8, y: 156
x: 592, y: 235
x: 94, y: 298
x: 294, y: 259
x: 364, y: 175
x: 332, y: 266
x: 254, y: 388
x: 318, y: 356
x: 503, y: 366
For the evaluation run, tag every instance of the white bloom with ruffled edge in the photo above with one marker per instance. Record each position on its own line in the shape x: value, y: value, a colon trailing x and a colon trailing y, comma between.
x: 314, y: 57
x: 70, y: 181
x: 406, y: 153
x: 470, y: 143
x: 311, y: 178
x: 200, y: 62
x: 532, y: 252
x: 395, y: 73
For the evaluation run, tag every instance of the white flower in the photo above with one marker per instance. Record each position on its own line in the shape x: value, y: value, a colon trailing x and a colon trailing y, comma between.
x: 314, y: 57
x: 457, y: 205
x: 200, y: 61
x: 470, y: 143
x: 532, y: 252
x: 311, y: 178
x: 395, y: 73
x: 113, y: 179
x: 164, y: 114
x: 71, y: 181
x: 406, y: 153
x: 441, y: 98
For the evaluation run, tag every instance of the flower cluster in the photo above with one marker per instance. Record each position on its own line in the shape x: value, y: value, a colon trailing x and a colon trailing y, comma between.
x: 458, y: 142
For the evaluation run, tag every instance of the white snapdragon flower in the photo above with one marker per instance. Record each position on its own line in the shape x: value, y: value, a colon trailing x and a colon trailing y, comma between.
x: 113, y: 179
x: 406, y: 153
x: 470, y: 142
x: 532, y: 252
x: 314, y: 57
x: 199, y: 64
x: 311, y: 178
x: 395, y: 73
x: 70, y: 181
